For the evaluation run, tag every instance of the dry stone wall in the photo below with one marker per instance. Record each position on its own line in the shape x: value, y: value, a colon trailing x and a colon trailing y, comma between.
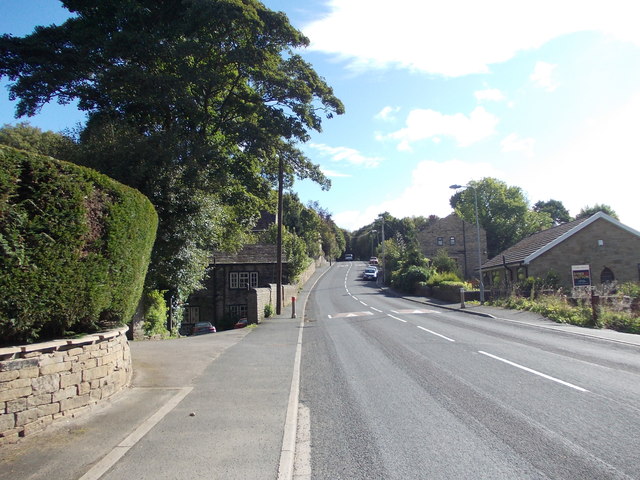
x: 43, y: 382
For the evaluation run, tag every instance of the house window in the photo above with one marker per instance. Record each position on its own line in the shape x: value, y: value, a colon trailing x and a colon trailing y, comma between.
x: 607, y: 276
x: 237, y: 311
x: 440, y: 241
x: 452, y: 240
x: 193, y: 314
x: 242, y: 279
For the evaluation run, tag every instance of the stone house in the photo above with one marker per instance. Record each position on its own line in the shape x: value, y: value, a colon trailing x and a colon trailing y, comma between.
x: 231, y: 282
x: 611, y: 249
x: 458, y: 238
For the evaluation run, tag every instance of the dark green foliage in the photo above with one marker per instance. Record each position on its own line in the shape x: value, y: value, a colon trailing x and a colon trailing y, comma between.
x: 407, y: 279
x: 588, y: 211
x: 503, y: 212
x: 443, y: 263
x: 556, y: 210
x: 294, y: 250
x: 193, y: 103
x: 32, y: 139
x: 75, y: 248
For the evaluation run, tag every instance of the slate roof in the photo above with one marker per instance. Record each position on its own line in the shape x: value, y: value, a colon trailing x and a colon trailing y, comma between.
x: 535, y: 245
x: 250, y: 254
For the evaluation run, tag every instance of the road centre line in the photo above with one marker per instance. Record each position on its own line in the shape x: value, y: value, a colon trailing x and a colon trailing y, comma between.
x: 363, y: 303
x: 436, y: 334
x: 535, y: 372
x: 396, y: 318
x: 373, y: 308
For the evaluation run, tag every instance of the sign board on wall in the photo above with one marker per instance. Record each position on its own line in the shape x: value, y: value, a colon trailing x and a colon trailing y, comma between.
x: 581, y: 275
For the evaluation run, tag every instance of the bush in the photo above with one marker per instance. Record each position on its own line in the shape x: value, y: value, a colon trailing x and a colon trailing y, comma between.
x: 553, y: 307
x: 75, y: 248
x: 407, y: 279
x: 155, y: 317
x: 445, y: 277
x: 268, y: 310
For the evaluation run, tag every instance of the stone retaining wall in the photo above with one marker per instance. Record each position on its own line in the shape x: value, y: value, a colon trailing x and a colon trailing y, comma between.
x: 43, y: 382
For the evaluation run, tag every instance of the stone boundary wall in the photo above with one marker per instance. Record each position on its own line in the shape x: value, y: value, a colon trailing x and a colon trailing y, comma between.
x: 43, y: 382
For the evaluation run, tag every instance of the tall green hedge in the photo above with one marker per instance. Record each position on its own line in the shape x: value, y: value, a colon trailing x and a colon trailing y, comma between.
x: 75, y: 248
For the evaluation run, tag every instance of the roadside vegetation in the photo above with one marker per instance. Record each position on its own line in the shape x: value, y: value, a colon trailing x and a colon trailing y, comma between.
x: 617, y: 308
x: 75, y: 246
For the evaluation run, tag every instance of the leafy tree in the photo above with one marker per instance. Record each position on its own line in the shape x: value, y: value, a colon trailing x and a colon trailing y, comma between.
x: 588, y: 211
x: 193, y: 103
x: 442, y: 262
x: 294, y: 250
x: 32, y: 139
x: 556, y: 210
x: 503, y: 212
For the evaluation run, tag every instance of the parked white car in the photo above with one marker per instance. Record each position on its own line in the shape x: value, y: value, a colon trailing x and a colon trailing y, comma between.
x: 370, y: 273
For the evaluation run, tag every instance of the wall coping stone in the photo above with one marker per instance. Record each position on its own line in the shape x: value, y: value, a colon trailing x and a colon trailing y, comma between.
x: 6, y: 353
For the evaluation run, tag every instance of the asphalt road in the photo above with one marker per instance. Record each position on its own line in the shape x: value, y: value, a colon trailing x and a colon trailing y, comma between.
x: 389, y: 388
x: 399, y: 390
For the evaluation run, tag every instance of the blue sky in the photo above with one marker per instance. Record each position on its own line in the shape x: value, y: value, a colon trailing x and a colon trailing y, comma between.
x: 543, y: 95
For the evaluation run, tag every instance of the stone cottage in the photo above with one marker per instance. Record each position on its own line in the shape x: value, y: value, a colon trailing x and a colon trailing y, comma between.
x: 231, y: 281
x: 609, y: 248
x: 458, y: 238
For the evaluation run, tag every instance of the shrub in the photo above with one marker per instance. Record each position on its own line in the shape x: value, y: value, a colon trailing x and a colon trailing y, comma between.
x: 407, y: 279
x: 268, y: 310
x: 155, y: 317
x: 75, y: 248
x: 440, y: 278
x: 442, y: 262
x: 620, y: 321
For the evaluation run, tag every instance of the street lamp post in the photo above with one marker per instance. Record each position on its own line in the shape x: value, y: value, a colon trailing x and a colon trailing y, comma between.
x: 475, y: 196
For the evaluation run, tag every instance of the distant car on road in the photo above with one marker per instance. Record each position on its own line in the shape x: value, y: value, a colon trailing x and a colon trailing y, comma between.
x: 370, y: 273
x: 373, y: 261
x: 348, y: 256
x: 202, y: 328
x: 241, y: 323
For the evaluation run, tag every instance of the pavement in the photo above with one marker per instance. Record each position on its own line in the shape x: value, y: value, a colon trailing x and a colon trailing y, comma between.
x: 228, y: 399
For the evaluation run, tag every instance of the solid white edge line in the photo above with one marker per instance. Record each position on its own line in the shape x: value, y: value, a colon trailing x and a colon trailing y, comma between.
x: 123, y: 447
x: 396, y: 318
x: 436, y: 334
x: 535, y: 372
x: 288, y: 450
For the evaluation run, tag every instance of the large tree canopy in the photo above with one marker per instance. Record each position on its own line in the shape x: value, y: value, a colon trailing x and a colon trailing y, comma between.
x: 503, y: 212
x: 193, y: 102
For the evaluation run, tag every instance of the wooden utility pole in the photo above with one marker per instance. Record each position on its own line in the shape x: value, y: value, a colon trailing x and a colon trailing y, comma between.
x: 279, y: 239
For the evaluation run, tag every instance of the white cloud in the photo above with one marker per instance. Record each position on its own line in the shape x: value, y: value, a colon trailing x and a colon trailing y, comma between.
x: 542, y: 76
x: 515, y: 143
x: 456, y: 38
x: 427, y: 194
x: 423, y: 124
x: 387, y: 113
x: 334, y: 173
x: 597, y: 165
x: 490, y: 94
x: 345, y: 154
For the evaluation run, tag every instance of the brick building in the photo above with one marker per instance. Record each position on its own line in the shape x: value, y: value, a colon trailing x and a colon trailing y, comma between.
x: 611, y: 249
x: 458, y: 238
